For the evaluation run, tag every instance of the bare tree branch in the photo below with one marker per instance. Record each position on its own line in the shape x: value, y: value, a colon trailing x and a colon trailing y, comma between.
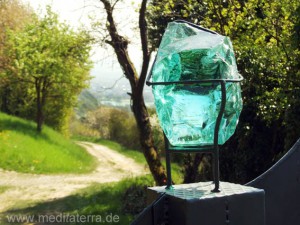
x: 113, y: 6
x: 111, y: 87
x: 120, y: 45
x: 145, y: 49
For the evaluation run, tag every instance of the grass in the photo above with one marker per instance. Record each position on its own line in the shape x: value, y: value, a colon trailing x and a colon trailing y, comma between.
x: 3, y: 189
x: 98, y: 199
x: 22, y: 149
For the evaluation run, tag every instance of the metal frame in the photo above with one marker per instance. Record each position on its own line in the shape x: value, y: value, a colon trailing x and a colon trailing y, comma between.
x: 212, y: 149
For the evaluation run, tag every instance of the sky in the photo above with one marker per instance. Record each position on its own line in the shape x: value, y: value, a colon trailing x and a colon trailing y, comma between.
x: 77, y: 13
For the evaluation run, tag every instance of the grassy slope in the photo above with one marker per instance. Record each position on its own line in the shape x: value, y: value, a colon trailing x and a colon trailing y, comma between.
x: 22, y: 149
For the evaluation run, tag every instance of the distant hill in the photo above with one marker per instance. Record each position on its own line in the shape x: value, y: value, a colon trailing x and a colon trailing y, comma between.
x: 86, y: 102
x: 116, y: 97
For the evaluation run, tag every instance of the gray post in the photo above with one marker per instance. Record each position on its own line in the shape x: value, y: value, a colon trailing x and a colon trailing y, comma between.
x: 195, y: 204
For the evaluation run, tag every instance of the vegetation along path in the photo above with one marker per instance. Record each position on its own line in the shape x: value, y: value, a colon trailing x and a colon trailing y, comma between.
x: 26, y: 188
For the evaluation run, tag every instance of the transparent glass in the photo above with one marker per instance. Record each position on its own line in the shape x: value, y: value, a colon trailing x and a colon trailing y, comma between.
x: 188, y: 113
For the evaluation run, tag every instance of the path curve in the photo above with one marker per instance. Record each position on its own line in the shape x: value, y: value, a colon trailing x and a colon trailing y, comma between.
x: 112, y: 166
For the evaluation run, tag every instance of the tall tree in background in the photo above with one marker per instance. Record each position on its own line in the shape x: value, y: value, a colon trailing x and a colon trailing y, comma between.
x: 137, y: 80
x: 13, y: 16
x: 265, y: 36
x: 52, y: 62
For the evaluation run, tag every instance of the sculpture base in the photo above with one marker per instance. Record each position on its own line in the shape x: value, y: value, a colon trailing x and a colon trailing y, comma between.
x: 195, y: 204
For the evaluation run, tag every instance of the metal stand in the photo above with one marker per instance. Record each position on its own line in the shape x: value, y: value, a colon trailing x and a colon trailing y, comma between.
x: 211, y: 149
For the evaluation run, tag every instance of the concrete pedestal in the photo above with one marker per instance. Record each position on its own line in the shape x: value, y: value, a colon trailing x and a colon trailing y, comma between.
x: 195, y: 204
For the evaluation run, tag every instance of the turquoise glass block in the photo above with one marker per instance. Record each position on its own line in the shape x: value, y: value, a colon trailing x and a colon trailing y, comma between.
x: 188, y: 113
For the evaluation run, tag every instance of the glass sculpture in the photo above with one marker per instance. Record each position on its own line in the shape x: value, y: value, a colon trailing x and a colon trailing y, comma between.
x: 188, y: 111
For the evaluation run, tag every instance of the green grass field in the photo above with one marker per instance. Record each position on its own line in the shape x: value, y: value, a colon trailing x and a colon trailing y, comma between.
x: 22, y: 149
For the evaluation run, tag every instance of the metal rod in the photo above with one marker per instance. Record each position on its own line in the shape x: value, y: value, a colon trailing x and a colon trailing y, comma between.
x: 168, y: 164
x: 208, y: 151
x: 197, y: 26
x: 191, y: 81
x: 216, y: 139
x: 192, y: 148
x: 216, y: 170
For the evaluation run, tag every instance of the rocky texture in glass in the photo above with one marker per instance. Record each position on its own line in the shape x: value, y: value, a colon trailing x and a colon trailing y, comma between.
x: 188, y: 113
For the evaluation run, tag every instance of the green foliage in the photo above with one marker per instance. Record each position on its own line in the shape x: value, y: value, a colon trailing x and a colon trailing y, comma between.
x: 81, y: 131
x: 261, y: 33
x: 163, y: 11
x: 22, y: 149
x: 49, y: 68
x: 123, y: 129
x: 135, y: 199
x: 158, y: 135
x: 13, y: 15
x: 265, y: 35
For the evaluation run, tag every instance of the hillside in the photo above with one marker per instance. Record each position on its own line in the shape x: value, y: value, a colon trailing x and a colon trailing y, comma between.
x: 22, y: 149
x: 86, y: 102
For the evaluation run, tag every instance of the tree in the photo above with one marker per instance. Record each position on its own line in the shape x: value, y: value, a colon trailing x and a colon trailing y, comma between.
x: 51, y: 61
x: 119, y: 44
x: 13, y: 16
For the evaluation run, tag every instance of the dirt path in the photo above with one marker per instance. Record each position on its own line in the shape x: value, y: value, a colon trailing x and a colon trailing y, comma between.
x: 112, y: 166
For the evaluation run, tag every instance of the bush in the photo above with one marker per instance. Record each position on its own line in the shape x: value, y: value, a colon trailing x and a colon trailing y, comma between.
x: 110, y: 124
x: 135, y: 199
x: 123, y: 129
x: 79, y: 129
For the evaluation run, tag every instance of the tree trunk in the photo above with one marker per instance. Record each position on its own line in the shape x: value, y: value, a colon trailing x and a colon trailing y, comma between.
x: 39, y: 118
x: 191, y: 167
x: 5, y: 99
x: 40, y: 102
x: 120, y: 46
x: 146, y: 139
x: 39, y: 112
x: 192, y: 171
